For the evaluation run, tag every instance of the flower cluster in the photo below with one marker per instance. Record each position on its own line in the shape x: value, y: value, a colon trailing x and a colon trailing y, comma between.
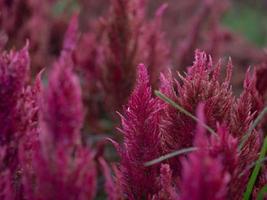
x: 194, y: 138
x: 151, y: 127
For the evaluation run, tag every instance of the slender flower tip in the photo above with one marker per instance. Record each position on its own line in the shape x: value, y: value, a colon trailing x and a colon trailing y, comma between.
x: 17, y: 66
x: 200, y: 57
x: 201, y: 63
x: 142, y: 77
x: 229, y: 71
x: 62, y: 108
x: 250, y: 79
x: 71, y: 37
x: 23, y: 56
x: 160, y: 11
x: 27, y: 45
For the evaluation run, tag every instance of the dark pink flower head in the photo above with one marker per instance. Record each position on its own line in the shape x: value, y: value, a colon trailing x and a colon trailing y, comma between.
x: 140, y: 128
x: 222, y: 145
x: 14, y: 68
x: 156, y: 57
x: 7, y: 191
x: 120, y: 44
x: 63, y: 168
x: 204, y: 172
x: 62, y: 111
x: 247, y: 106
x: 203, y: 178
x: 6, y: 180
x: 167, y: 184
x: 245, y: 110
x: 29, y: 142
x: 71, y: 36
x: 64, y: 176
x: 200, y: 84
x: 113, y: 187
x: 225, y: 147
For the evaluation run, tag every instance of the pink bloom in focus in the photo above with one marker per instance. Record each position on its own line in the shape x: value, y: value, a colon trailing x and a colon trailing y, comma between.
x: 140, y: 129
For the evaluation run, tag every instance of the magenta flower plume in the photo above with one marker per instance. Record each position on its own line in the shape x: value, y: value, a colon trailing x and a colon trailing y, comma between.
x: 245, y: 110
x: 29, y: 143
x: 64, y: 176
x: 205, y: 173
x: 6, y: 180
x: 201, y: 84
x: 13, y: 76
x: 14, y: 68
x: 58, y: 117
x: 140, y: 129
x: 203, y: 177
x: 62, y: 121
x: 222, y: 145
x: 168, y: 189
x: 113, y: 185
x: 247, y: 106
x: 116, y: 47
x: 18, y: 116
x: 157, y: 55
x: 64, y: 169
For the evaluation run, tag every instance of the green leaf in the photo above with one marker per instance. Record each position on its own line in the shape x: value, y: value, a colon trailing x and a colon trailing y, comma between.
x: 170, y: 155
x: 262, y: 193
x: 255, y: 171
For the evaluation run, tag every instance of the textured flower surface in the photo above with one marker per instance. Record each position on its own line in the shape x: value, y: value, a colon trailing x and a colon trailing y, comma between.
x: 201, y: 84
x: 140, y: 129
x: 198, y: 137
x: 62, y: 167
x: 206, y: 172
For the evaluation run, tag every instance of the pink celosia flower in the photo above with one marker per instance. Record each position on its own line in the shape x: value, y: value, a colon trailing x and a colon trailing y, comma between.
x: 116, y: 48
x: 62, y: 167
x: 157, y: 55
x: 203, y: 177
x: 6, y: 180
x: 14, y: 68
x: 205, y: 174
x: 64, y: 176
x: 140, y: 128
x: 113, y: 187
x: 201, y: 84
x: 29, y: 143
x: 168, y: 189
x: 18, y: 116
x: 245, y: 110
x: 58, y: 117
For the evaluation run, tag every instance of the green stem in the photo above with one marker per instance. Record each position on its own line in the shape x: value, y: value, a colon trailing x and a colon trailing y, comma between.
x: 262, y: 193
x: 255, y: 171
x: 170, y: 155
